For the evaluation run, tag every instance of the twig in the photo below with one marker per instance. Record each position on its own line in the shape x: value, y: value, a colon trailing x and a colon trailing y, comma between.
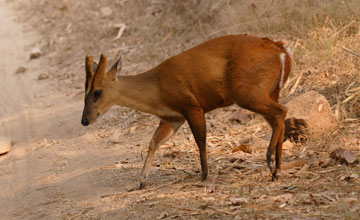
x: 122, y: 27
x: 293, y: 89
x: 168, y: 36
x: 349, y: 86
x: 342, y: 29
x: 350, y: 51
x: 313, y: 199
x: 328, y: 197
x: 351, y: 97
x: 288, y: 82
x: 353, y: 90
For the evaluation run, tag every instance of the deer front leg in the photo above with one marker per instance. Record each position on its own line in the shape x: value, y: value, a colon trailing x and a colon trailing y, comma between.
x: 197, y: 125
x: 161, y: 135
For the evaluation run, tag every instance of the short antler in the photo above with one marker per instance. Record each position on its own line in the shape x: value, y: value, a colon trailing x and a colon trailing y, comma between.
x: 89, y: 72
x: 100, y: 71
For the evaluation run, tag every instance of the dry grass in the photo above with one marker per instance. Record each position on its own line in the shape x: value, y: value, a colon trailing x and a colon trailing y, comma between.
x: 155, y: 30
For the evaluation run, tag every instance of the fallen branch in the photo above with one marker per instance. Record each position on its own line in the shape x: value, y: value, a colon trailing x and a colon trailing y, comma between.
x: 350, y: 51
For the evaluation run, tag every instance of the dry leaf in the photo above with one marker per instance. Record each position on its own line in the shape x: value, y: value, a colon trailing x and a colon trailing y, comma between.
x: 349, y: 178
x: 351, y: 200
x: 293, y: 164
x: 343, y: 156
x: 310, y: 159
x: 283, y: 198
x: 244, y: 148
x: 287, y: 145
x: 237, y: 156
x: 173, y: 154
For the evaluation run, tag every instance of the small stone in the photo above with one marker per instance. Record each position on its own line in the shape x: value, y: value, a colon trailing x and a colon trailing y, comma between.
x: 163, y: 215
x: 106, y: 11
x: 238, y: 201
x: 21, y: 69
x: 43, y: 76
x: 5, y: 145
x: 35, y: 53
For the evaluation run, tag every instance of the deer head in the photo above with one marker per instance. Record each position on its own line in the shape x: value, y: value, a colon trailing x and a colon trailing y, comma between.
x: 97, y: 95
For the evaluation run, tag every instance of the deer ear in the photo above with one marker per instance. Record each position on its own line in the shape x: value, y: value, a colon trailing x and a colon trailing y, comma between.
x: 95, y: 66
x: 115, y: 69
x: 100, y: 71
x: 89, y: 72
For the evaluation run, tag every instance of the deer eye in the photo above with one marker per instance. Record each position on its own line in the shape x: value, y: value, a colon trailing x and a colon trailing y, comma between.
x: 97, y: 94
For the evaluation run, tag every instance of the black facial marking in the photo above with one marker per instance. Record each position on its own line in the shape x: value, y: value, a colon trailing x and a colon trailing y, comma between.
x: 97, y: 95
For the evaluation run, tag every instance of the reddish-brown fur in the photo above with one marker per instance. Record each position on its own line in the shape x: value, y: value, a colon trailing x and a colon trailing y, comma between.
x: 239, y: 69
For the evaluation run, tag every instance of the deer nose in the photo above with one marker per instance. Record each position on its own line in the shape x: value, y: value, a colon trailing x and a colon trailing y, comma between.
x: 85, y: 122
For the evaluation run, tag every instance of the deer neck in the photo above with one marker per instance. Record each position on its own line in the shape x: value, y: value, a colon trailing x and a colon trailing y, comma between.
x: 140, y: 92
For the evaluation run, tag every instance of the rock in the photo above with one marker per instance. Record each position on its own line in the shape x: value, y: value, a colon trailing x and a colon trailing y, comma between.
x: 5, y: 145
x: 35, y: 53
x: 312, y: 110
x: 43, y: 76
x: 21, y: 69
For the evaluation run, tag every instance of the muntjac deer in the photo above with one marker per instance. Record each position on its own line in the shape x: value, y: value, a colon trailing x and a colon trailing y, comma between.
x: 241, y: 69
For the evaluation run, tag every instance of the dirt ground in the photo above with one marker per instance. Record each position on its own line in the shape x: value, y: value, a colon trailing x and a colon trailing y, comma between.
x: 58, y: 169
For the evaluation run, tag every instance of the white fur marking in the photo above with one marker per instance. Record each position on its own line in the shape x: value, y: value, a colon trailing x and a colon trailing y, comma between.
x: 282, y: 58
x: 288, y: 50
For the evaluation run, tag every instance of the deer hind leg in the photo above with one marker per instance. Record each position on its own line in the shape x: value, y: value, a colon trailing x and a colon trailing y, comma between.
x: 275, y: 96
x: 161, y: 135
x: 197, y: 125
x: 278, y: 149
x: 275, y: 114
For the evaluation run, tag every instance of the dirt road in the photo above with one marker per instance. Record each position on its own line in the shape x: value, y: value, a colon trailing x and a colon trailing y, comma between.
x: 35, y: 117
x: 15, y: 119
